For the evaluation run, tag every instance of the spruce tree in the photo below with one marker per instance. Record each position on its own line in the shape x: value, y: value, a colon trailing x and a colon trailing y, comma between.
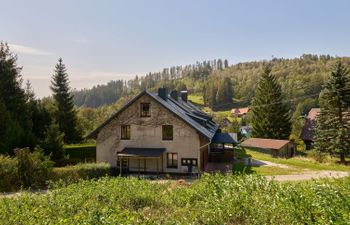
x: 224, y: 94
x: 13, y: 98
x: 65, y: 114
x: 270, y: 115
x: 332, y: 133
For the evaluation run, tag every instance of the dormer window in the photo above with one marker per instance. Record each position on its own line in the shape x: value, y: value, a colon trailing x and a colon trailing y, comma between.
x: 145, y: 110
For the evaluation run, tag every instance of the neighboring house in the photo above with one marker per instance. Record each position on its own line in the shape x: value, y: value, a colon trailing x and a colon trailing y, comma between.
x: 307, y: 134
x: 160, y: 133
x: 275, y: 147
x: 239, y: 112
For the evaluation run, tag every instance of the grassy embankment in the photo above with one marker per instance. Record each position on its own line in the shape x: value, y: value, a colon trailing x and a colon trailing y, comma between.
x: 297, y: 164
x: 210, y: 200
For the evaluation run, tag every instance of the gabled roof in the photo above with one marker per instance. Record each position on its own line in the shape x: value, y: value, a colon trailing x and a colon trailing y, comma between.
x: 240, y: 111
x: 310, y: 123
x: 186, y: 111
x: 264, y: 143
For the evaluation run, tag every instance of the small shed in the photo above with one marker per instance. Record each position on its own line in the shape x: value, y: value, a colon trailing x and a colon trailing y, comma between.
x: 275, y: 147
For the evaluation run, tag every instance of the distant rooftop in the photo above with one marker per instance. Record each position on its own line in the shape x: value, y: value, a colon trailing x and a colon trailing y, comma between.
x: 264, y: 143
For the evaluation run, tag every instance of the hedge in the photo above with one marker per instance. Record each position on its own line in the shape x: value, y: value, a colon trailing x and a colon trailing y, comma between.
x: 80, y: 153
x: 38, y: 173
x: 71, y: 174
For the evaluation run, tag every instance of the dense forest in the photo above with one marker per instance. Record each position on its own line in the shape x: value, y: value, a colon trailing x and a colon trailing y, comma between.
x: 170, y: 77
x: 300, y: 78
x: 222, y: 86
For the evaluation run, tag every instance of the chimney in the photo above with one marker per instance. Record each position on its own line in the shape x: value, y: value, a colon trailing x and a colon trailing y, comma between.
x: 184, y: 95
x: 162, y: 92
x: 174, y: 95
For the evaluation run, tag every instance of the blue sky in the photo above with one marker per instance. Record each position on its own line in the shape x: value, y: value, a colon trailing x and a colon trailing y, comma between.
x: 104, y: 40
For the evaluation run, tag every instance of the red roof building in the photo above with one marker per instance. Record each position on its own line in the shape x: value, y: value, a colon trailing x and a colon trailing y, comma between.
x: 239, y: 112
x: 307, y: 134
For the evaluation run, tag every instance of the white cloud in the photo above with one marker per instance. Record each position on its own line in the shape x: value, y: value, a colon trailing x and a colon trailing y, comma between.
x: 28, y: 50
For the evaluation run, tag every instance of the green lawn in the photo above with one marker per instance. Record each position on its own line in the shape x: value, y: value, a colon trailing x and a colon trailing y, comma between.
x: 79, y: 145
x: 196, y: 99
x: 298, y: 162
x: 264, y: 170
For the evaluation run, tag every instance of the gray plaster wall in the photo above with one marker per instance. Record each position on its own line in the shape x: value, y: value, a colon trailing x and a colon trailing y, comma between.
x: 147, y: 132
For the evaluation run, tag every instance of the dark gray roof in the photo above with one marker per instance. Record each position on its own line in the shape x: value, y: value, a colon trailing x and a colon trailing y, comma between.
x: 186, y: 111
x: 141, y: 152
x: 223, y: 138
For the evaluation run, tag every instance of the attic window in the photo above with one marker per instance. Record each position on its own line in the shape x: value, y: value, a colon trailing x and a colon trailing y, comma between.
x: 145, y: 110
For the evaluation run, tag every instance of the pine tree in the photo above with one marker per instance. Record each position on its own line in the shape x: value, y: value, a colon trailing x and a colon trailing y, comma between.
x: 65, y: 115
x: 270, y: 116
x: 333, y: 125
x: 212, y: 91
x: 13, y: 99
x: 224, y: 94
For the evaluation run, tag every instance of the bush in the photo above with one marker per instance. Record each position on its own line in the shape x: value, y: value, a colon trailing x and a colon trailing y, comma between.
x: 8, y: 173
x: 33, y: 167
x: 320, y: 157
x: 84, y: 171
x: 27, y: 169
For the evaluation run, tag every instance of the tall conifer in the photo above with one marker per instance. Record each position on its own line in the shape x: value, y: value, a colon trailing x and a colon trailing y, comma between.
x: 270, y: 115
x: 333, y: 125
x: 16, y: 129
x: 65, y: 115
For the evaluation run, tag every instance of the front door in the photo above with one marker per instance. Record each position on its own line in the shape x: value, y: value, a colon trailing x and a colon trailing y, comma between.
x: 124, y: 164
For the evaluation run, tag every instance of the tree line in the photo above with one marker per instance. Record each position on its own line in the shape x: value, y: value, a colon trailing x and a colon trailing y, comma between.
x: 26, y: 121
x: 271, y: 113
x: 170, y: 77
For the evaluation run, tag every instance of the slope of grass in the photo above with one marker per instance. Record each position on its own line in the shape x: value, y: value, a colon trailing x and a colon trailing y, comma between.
x: 210, y: 200
x: 299, y: 162
x: 196, y: 99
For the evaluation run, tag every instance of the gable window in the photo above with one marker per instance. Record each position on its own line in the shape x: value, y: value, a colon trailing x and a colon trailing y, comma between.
x: 172, y: 160
x: 167, y: 132
x: 125, y: 132
x: 145, y: 109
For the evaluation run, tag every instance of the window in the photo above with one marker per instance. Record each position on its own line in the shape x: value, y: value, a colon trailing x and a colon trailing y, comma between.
x: 145, y: 110
x: 125, y: 132
x: 172, y: 160
x: 167, y: 131
x: 188, y: 162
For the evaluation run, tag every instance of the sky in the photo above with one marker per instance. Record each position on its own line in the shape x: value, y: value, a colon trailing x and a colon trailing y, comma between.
x: 105, y: 40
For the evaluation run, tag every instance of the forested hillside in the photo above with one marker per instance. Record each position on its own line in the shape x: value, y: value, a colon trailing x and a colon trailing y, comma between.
x: 219, y: 85
x: 301, y: 78
x: 171, y: 77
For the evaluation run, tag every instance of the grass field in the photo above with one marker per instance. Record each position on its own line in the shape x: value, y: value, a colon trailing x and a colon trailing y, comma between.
x: 214, y: 199
x: 264, y: 170
x: 196, y: 99
x: 298, y: 162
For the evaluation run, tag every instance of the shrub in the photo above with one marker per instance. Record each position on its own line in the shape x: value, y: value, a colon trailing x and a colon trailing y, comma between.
x: 27, y: 169
x: 33, y: 167
x: 77, y: 172
x: 8, y: 173
x: 320, y: 157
